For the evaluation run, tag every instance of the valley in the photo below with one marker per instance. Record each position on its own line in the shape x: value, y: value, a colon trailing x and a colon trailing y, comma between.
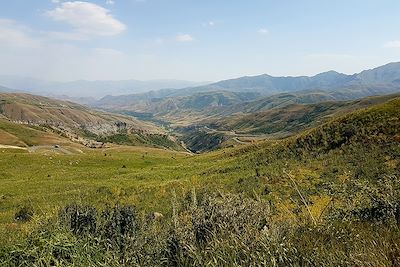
x: 237, y: 111
x: 151, y: 133
x: 285, y: 168
x: 360, y: 147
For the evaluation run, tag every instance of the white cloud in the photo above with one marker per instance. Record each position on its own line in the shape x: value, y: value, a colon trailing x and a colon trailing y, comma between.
x: 14, y: 35
x: 209, y: 23
x: 263, y: 31
x: 55, y: 1
x: 184, y: 38
x: 392, y: 44
x: 87, y: 19
x: 108, y: 52
x: 72, y: 36
x: 110, y: 2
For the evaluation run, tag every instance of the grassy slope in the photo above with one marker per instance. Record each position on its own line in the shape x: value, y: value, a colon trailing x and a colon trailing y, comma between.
x: 275, y: 123
x: 69, y: 119
x: 363, y: 145
x: 23, y: 135
x: 294, y: 117
x: 38, y: 109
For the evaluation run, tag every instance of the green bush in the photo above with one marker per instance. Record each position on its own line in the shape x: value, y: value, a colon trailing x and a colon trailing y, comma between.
x: 24, y: 214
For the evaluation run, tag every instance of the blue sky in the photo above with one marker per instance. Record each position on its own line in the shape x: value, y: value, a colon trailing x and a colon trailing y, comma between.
x: 203, y: 40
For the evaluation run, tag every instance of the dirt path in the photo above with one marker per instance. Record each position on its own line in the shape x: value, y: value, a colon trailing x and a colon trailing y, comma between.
x: 13, y: 147
x: 240, y: 142
x: 61, y: 150
x: 34, y: 149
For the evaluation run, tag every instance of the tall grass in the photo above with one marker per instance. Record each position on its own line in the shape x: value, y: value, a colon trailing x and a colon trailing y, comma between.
x: 205, y: 230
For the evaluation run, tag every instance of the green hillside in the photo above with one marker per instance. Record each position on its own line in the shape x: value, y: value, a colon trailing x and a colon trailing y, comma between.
x: 285, y: 119
x: 23, y: 135
x: 48, y: 121
x: 293, y: 117
x: 324, y: 197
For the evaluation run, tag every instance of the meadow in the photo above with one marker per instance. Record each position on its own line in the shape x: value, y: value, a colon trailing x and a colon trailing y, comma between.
x: 325, y: 197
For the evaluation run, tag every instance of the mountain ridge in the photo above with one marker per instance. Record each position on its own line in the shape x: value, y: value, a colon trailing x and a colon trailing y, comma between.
x: 88, y: 88
x: 384, y: 79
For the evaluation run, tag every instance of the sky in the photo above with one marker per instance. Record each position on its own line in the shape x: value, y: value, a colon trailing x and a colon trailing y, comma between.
x: 198, y: 40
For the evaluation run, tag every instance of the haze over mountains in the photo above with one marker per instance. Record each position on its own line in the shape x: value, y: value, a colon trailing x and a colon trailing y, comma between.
x: 256, y: 93
x: 90, y: 89
x: 208, y: 116
x: 385, y: 78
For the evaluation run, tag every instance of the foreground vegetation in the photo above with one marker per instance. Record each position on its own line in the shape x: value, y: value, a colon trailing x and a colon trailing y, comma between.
x: 222, y: 230
x: 326, y: 197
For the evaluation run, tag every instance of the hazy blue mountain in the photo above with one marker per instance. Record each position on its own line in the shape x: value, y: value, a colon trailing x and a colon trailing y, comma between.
x: 4, y: 89
x: 389, y: 73
x: 268, y: 84
x: 329, y: 85
x: 385, y: 75
x: 95, y: 89
x: 165, y: 105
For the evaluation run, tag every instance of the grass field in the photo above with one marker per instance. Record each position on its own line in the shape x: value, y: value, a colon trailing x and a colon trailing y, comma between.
x: 347, y: 167
x: 139, y: 176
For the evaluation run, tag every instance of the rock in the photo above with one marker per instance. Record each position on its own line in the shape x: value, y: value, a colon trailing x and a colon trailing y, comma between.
x: 156, y: 216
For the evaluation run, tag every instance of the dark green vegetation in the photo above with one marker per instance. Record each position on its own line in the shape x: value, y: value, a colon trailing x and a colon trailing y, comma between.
x: 328, y: 196
x: 201, y: 141
x: 132, y: 139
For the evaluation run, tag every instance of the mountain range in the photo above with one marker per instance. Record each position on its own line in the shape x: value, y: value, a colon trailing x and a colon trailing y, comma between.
x: 203, y: 117
x: 89, y: 89
x: 325, y: 86
x: 131, y: 92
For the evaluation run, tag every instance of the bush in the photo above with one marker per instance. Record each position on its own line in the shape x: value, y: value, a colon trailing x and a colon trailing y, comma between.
x: 24, y: 214
x: 79, y: 219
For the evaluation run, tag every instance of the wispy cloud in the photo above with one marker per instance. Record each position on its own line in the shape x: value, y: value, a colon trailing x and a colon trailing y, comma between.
x: 263, y: 31
x: 330, y: 56
x: 184, y: 38
x: 392, y: 44
x: 87, y: 19
x: 212, y: 23
x: 108, y: 52
x: 15, y: 35
x: 110, y: 2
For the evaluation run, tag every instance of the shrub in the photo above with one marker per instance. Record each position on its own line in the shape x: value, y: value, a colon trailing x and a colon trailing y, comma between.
x: 79, y: 219
x: 24, y: 214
